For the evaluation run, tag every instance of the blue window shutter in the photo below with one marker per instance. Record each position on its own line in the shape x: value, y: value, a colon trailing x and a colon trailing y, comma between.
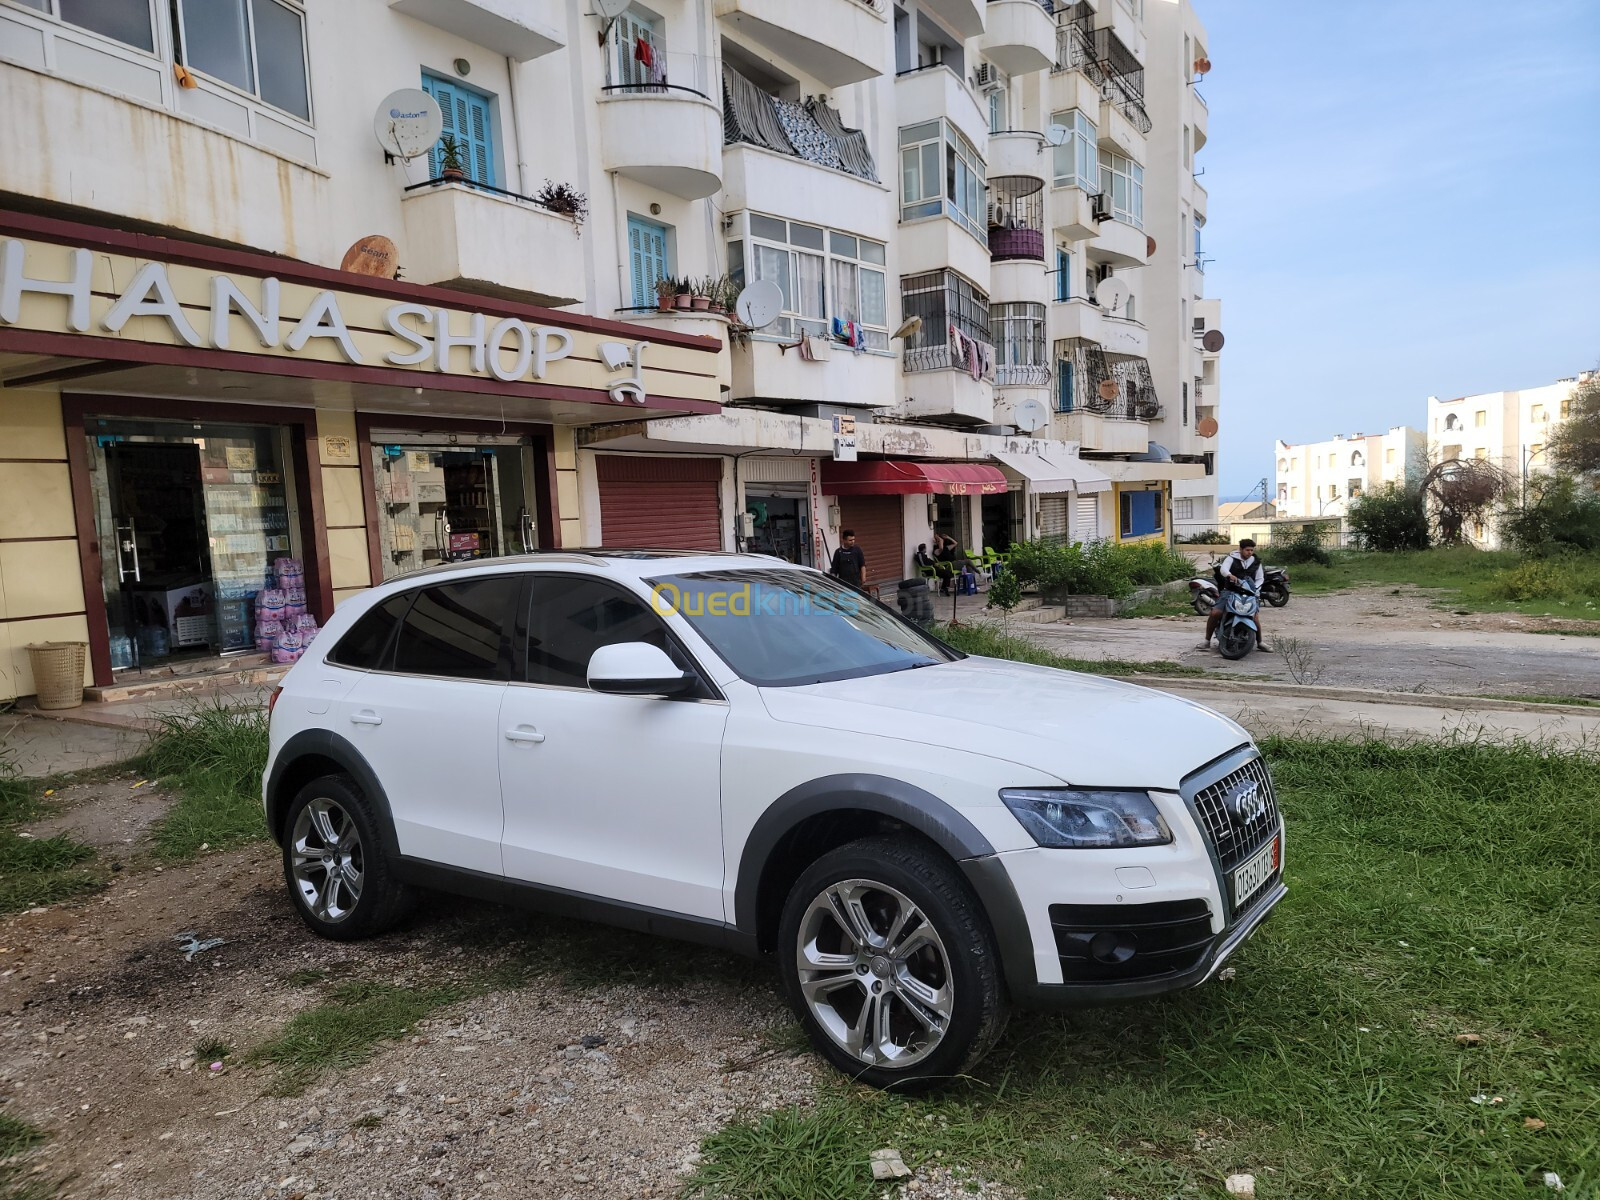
x: 647, y: 258
x: 1063, y: 275
x: 1064, y: 386
x: 468, y: 119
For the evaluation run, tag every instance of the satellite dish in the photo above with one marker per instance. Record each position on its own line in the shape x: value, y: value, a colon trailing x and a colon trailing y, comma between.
x: 1213, y: 341
x: 1206, y: 427
x: 1030, y: 415
x: 1202, y: 65
x: 910, y: 327
x: 1149, y: 246
x: 1112, y: 294
x: 1057, y: 134
x: 760, y: 304
x: 373, y: 255
x: 408, y: 123
x: 1109, y: 390
x: 612, y: 9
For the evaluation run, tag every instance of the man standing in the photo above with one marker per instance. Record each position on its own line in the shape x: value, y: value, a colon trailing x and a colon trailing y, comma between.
x: 849, y: 562
x: 1242, y: 564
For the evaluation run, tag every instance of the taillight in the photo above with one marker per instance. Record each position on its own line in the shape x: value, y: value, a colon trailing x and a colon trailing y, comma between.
x: 272, y: 701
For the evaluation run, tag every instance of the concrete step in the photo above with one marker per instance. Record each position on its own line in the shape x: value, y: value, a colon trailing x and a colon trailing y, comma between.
x: 247, y: 669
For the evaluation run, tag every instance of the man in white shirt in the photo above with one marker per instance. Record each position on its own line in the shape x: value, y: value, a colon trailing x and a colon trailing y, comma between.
x: 1240, y: 565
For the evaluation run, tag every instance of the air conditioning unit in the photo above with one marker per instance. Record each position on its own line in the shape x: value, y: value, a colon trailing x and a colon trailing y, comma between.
x: 1100, y: 208
x: 989, y: 77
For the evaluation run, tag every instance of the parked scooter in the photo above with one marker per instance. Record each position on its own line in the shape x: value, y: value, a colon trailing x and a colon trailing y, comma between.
x: 1237, y: 634
x: 1275, y: 586
x: 1203, y: 593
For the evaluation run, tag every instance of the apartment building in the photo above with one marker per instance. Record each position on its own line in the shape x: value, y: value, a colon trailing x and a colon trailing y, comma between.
x: 241, y: 320
x: 1508, y: 429
x: 1321, y: 479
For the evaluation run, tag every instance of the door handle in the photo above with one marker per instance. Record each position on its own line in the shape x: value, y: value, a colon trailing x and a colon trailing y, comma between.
x: 524, y: 733
x: 365, y: 717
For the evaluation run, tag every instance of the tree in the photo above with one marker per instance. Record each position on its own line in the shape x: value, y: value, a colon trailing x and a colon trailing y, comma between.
x: 1393, y: 518
x: 1574, y: 446
x: 1462, y: 490
x: 1561, y: 514
x: 1005, y: 593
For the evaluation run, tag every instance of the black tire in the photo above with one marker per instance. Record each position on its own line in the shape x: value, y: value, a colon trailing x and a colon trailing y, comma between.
x: 359, y: 906
x: 1277, y: 597
x: 966, y: 974
x: 1203, y: 604
x: 1237, y: 642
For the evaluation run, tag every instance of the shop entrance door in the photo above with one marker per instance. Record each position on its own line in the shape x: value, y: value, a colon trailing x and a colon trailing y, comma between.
x: 439, y: 502
x: 190, y: 519
x: 780, y: 526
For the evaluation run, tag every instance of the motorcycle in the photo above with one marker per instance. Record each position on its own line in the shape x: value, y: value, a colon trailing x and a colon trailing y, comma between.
x: 1203, y: 594
x: 1237, y: 634
x: 1275, y: 586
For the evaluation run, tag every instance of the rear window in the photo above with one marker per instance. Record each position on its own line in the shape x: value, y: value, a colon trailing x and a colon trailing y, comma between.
x: 368, y: 645
x: 461, y: 630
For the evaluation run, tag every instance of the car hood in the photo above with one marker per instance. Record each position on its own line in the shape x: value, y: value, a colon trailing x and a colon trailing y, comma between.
x: 1081, y: 729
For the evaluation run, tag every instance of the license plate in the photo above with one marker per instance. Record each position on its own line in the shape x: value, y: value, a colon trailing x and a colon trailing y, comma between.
x: 1252, y: 877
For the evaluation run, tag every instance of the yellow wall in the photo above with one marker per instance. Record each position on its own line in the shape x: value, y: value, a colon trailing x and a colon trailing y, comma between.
x: 343, y: 503
x: 566, y: 484
x: 41, y: 583
x: 1166, y: 511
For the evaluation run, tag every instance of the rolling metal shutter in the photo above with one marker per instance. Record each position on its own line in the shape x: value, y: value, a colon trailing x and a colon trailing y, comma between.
x: 1088, y: 520
x: 1053, y: 518
x: 660, y: 503
x: 880, y: 532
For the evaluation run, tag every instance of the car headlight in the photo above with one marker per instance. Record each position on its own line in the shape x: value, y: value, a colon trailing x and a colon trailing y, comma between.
x: 1087, y: 820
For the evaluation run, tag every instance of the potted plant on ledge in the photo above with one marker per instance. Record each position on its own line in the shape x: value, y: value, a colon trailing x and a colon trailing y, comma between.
x: 666, y: 291
x: 565, y: 199
x: 700, y: 294
x: 683, y: 296
x: 452, y: 159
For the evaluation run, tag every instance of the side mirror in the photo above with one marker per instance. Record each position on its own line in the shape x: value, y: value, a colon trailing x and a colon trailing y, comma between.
x: 637, y: 669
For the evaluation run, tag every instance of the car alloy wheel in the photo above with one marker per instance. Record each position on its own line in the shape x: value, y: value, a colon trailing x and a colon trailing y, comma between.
x: 874, y: 973
x: 326, y: 860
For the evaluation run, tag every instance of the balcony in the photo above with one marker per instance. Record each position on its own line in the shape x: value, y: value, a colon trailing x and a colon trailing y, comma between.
x: 773, y: 372
x: 1082, y: 320
x: 1200, y: 115
x: 1115, y: 18
x: 485, y: 240
x: 504, y: 25
x: 761, y: 180
x: 838, y: 41
x: 1072, y: 214
x: 939, y: 244
x: 932, y: 93
x: 1019, y: 152
x: 1020, y: 279
x: 965, y: 17
x: 1019, y: 35
x: 1120, y: 244
x: 947, y: 393
x: 659, y: 124
x: 1016, y: 218
x: 1118, y: 133
x: 949, y: 362
x: 1102, y: 434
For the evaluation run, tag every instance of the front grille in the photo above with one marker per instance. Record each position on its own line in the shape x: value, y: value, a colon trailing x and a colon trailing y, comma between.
x: 1235, y: 840
x: 1116, y: 943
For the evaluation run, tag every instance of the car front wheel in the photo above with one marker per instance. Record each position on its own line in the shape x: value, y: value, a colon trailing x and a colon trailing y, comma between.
x: 334, y: 862
x: 890, y: 964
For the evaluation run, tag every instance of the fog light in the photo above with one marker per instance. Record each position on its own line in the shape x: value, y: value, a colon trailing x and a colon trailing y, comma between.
x: 1113, y: 948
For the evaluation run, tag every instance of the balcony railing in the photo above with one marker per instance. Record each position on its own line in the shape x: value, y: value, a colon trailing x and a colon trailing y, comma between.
x: 441, y: 181
x: 1022, y: 376
x: 1135, y: 399
x: 642, y: 67
x: 955, y: 325
x: 811, y: 130
x: 1048, y: 5
x: 1101, y: 55
x: 1016, y: 218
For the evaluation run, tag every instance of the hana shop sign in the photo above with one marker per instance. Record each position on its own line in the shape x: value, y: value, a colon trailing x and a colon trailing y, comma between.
x: 121, y: 296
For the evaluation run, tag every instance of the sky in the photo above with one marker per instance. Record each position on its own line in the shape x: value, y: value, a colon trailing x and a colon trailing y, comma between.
x: 1404, y: 202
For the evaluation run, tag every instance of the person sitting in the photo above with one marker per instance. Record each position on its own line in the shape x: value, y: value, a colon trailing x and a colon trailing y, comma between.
x: 1240, y: 565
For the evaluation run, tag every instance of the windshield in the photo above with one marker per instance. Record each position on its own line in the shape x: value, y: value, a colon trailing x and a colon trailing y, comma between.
x: 781, y: 628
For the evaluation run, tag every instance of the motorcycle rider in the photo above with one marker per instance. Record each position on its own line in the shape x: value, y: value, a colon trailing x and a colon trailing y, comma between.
x: 1240, y: 565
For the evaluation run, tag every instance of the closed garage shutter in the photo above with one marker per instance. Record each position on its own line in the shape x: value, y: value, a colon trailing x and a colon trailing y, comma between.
x: 1053, y: 518
x: 880, y: 532
x: 660, y: 503
x: 1088, y: 520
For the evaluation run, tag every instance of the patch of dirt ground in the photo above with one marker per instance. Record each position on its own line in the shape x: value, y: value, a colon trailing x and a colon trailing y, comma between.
x: 110, y: 814
x: 551, y: 1089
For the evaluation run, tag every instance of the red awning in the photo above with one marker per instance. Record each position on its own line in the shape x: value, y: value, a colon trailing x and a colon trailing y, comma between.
x: 892, y: 477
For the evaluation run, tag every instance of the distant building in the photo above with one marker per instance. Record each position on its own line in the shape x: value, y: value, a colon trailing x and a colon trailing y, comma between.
x: 1320, y: 479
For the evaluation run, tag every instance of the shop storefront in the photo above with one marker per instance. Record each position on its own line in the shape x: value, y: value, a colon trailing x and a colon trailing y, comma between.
x: 205, y: 450
x: 777, y: 502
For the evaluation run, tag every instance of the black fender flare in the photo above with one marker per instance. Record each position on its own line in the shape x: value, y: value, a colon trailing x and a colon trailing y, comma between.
x: 859, y: 792
x: 324, y: 744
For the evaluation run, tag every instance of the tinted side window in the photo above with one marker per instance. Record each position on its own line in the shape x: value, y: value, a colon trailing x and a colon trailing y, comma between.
x: 570, y: 618
x: 368, y: 644
x: 460, y: 630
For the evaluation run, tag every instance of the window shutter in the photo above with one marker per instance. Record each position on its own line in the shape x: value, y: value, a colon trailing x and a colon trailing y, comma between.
x: 647, y: 252
x: 480, y: 140
x: 466, y: 118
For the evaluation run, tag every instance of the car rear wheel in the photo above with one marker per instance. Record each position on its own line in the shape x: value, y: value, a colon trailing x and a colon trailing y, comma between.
x: 889, y: 962
x: 334, y: 864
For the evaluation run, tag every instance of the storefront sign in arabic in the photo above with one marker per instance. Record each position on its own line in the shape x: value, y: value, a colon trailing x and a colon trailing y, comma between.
x: 148, y: 300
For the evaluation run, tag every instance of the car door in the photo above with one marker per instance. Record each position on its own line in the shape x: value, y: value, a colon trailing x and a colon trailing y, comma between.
x: 428, y: 723
x: 616, y: 797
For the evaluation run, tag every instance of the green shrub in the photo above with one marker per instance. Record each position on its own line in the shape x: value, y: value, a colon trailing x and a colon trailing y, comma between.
x: 1560, y: 514
x: 1049, y: 566
x: 1005, y: 593
x: 1304, y: 546
x: 1391, y: 519
x: 1150, y: 563
x: 1206, y: 537
x: 1536, y: 579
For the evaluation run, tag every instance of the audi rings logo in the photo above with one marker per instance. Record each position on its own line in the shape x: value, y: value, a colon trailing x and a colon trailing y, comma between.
x: 1248, y: 805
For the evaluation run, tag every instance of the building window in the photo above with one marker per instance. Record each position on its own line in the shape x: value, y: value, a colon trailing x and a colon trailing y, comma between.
x: 1019, y: 345
x: 955, y: 322
x: 648, y: 262
x: 1536, y: 413
x: 822, y: 274
x: 1353, y: 488
x: 1480, y: 419
x: 469, y: 118
x: 1357, y: 459
x: 1064, y: 385
x: 1566, y: 409
x: 1452, y: 421
x: 1077, y: 159
x: 257, y: 46
x: 1183, y: 510
x: 1063, y: 275
x: 941, y: 172
x: 1141, y: 514
x: 1283, y: 464
x: 1333, y: 491
x: 1388, y: 457
x: 1122, y: 180
x: 1199, y: 252
x: 636, y: 54
x: 1185, y: 405
x: 125, y: 21
x: 997, y: 111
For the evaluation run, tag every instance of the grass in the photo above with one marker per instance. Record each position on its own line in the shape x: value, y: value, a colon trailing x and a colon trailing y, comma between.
x: 990, y: 641
x: 36, y: 871
x: 18, y: 1137
x: 346, y: 1030
x: 1435, y: 890
x: 1169, y: 606
x: 1475, y: 580
x: 211, y: 1050
x: 212, y: 757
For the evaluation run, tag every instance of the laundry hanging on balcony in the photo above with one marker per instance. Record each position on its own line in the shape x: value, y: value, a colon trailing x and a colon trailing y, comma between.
x: 811, y: 130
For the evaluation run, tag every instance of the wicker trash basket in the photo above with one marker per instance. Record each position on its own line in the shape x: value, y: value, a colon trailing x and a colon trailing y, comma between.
x: 58, y: 672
